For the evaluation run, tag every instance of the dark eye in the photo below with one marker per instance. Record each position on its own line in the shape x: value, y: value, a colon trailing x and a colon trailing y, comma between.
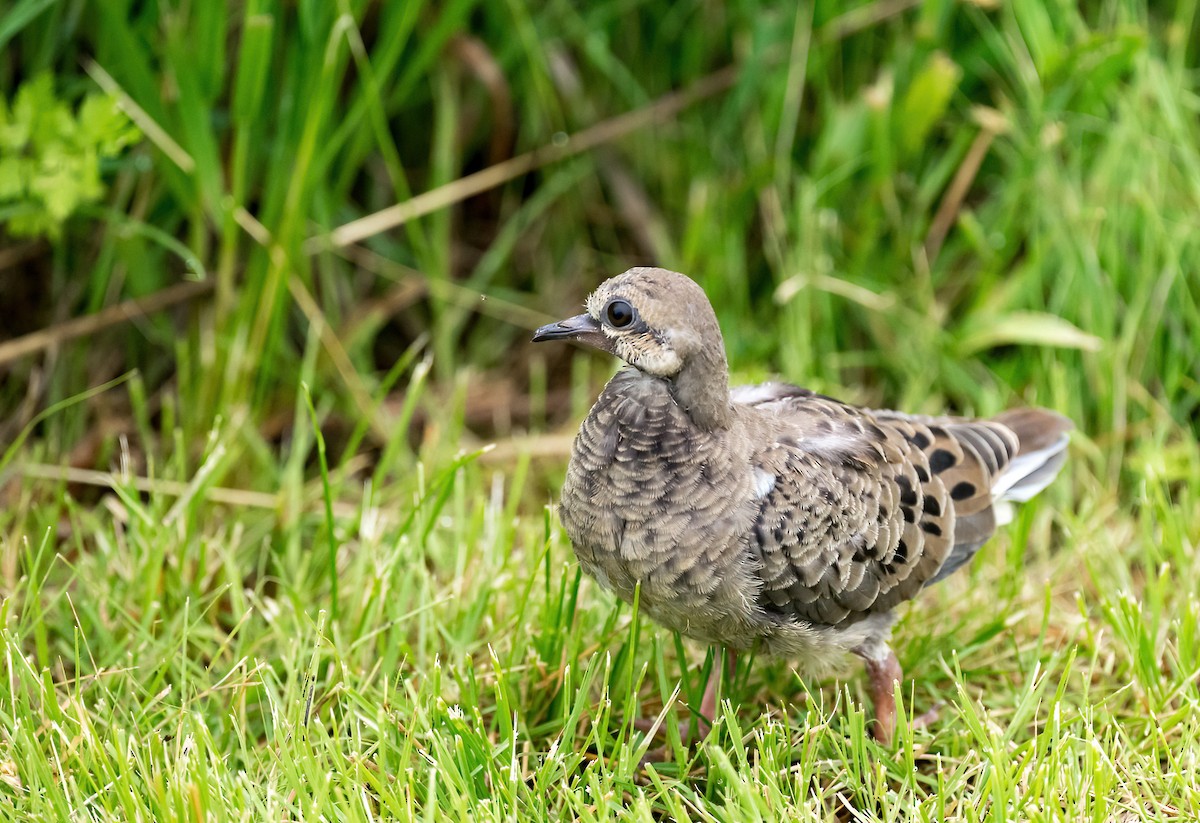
x: 619, y: 314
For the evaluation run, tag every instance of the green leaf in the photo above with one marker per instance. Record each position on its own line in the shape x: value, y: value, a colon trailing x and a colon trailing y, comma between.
x: 14, y: 133
x: 844, y: 137
x: 1026, y: 328
x: 13, y: 171
x: 64, y: 181
x: 34, y: 99
x: 926, y: 100
x: 103, y: 124
x: 33, y: 222
x: 50, y: 156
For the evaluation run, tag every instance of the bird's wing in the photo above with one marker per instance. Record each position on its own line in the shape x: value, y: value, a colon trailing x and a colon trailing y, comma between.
x: 858, y: 509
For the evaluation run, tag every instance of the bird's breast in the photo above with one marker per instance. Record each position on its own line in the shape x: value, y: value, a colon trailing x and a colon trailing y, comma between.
x: 639, y: 458
x: 651, y: 499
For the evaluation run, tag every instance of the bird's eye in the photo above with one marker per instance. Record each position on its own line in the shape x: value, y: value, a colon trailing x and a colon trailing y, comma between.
x: 618, y: 313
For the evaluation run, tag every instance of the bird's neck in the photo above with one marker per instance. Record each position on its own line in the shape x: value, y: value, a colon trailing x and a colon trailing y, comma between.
x: 702, y: 390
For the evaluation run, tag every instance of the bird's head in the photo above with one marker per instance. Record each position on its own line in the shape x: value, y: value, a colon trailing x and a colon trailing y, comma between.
x: 656, y: 320
x: 661, y: 323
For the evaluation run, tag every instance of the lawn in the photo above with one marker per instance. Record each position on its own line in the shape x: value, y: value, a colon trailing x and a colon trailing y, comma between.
x: 279, y: 463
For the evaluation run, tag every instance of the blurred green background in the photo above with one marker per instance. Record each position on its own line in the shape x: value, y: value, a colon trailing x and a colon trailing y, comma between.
x: 309, y: 240
x: 913, y: 200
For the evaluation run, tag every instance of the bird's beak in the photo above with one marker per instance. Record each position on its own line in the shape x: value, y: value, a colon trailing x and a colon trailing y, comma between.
x: 580, y: 327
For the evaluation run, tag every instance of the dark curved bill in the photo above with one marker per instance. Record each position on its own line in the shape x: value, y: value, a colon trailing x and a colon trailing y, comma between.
x: 570, y: 329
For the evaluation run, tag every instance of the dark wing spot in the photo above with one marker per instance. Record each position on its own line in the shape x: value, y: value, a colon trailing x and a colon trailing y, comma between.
x: 932, y: 528
x: 940, y: 460
x: 963, y: 490
x: 932, y: 507
x: 902, y: 551
x: 920, y: 440
x: 908, y: 514
x: 922, y: 475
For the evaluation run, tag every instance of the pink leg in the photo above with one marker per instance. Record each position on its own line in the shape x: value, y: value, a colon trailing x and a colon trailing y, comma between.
x: 882, y: 675
x: 708, y: 703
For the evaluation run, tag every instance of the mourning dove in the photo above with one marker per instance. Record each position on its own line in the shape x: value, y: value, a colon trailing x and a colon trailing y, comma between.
x: 769, y: 518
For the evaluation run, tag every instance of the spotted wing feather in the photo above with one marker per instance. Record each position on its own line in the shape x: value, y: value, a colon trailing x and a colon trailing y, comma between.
x: 856, y: 521
x: 868, y: 507
x: 1010, y: 457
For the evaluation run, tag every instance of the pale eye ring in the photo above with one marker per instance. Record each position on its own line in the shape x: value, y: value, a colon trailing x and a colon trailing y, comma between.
x: 618, y: 313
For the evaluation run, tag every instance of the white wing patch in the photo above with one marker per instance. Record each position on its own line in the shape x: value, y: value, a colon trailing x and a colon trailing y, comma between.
x: 763, y: 483
x: 760, y: 393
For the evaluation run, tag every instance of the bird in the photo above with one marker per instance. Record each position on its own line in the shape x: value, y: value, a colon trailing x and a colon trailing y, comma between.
x: 770, y: 519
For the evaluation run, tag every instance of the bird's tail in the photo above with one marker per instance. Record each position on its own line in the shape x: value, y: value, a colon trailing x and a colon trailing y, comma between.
x: 1043, y: 437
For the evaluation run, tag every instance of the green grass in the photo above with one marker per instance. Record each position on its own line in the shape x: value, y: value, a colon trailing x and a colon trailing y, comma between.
x: 282, y: 578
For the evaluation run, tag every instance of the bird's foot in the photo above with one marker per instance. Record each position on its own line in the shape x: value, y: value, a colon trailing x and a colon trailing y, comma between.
x: 700, y: 726
x: 927, y: 718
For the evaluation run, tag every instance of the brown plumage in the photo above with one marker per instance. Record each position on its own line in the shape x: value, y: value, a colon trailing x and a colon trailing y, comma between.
x: 770, y: 518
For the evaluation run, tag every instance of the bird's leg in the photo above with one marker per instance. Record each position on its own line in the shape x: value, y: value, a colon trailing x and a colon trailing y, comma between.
x: 708, y: 703
x: 883, y: 673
